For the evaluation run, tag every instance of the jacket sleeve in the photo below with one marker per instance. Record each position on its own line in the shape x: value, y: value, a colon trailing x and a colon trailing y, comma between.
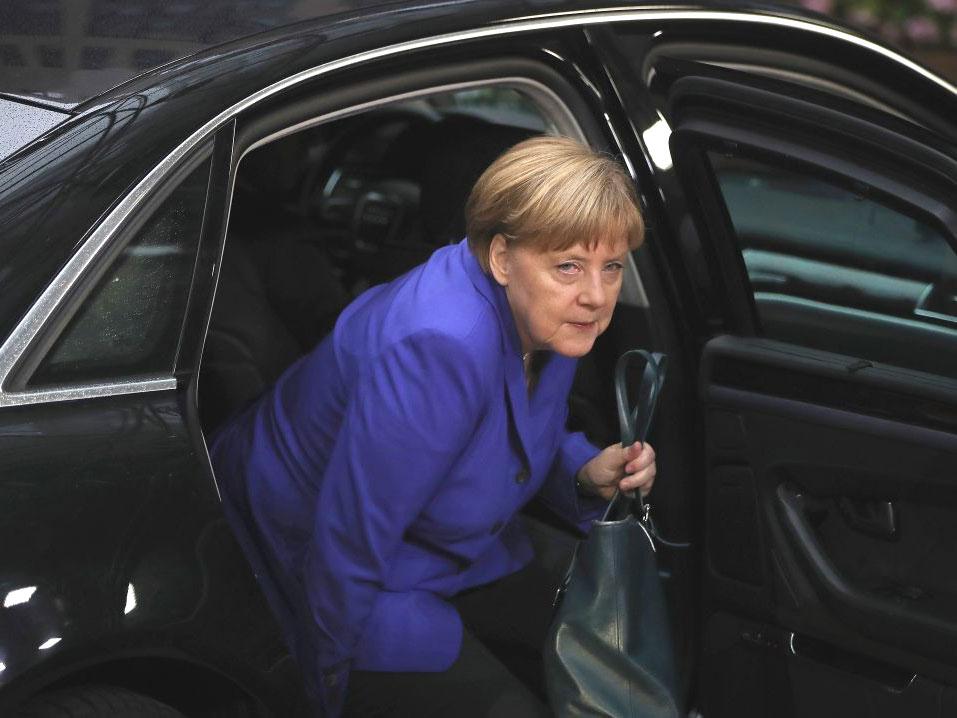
x: 560, y: 492
x: 411, y: 413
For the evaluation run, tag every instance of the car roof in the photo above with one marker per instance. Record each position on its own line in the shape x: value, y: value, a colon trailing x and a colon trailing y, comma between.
x: 60, y: 55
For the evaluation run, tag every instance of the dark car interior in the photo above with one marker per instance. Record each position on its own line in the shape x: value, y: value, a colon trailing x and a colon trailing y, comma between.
x: 321, y: 215
x: 821, y: 254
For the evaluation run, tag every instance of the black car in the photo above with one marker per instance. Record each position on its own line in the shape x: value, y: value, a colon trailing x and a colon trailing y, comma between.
x: 190, y: 192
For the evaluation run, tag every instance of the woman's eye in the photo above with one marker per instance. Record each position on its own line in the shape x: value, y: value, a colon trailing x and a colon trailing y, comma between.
x: 614, y: 267
x: 567, y: 267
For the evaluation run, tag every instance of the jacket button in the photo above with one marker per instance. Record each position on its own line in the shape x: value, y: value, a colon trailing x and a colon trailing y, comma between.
x: 521, y: 477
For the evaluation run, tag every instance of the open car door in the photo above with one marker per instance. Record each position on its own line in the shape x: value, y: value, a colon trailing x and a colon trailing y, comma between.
x: 830, y: 227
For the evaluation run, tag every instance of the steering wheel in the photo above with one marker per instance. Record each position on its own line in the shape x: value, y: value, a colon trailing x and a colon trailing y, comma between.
x: 355, y: 130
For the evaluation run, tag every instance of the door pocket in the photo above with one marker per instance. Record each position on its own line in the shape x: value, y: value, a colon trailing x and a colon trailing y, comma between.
x: 889, y: 590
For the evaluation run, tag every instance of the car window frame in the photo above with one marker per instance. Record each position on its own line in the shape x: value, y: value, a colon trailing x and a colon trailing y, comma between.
x: 915, y: 186
x: 15, y: 389
x: 743, y: 317
x: 885, y: 322
x: 146, y: 344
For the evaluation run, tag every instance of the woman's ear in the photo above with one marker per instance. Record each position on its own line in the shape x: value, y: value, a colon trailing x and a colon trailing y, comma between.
x: 498, y: 259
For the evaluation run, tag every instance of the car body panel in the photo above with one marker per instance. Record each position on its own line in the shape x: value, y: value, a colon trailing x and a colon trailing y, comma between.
x: 135, y: 550
x: 130, y: 570
x: 64, y: 55
x: 24, y: 123
x: 80, y: 185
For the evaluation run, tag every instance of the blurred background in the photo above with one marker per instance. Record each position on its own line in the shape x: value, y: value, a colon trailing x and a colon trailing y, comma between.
x: 99, y: 43
x: 924, y: 29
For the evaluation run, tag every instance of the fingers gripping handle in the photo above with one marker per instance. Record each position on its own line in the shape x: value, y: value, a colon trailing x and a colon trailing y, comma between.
x: 635, y: 421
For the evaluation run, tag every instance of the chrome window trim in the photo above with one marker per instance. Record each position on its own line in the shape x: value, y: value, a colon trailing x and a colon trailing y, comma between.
x: 549, y: 101
x: 27, y: 329
x: 87, y: 391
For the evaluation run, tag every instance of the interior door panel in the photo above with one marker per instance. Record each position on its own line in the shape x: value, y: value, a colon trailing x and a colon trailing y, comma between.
x: 833, y: 524
x: 827, y: 380
x: 832, y: 224
x: 831, y: 445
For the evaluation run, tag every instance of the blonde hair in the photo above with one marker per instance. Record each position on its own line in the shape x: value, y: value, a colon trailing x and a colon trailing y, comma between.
x: 552, y: 193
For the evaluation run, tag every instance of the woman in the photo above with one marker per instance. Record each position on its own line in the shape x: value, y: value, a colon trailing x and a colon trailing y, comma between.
x: 382, y: 475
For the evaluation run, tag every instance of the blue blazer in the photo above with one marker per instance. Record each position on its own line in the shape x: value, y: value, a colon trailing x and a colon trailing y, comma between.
x: 384, y: 470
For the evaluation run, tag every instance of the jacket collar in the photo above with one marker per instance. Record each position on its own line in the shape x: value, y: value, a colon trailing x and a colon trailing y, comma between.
x: 511, y: 349
x: 495, y: 294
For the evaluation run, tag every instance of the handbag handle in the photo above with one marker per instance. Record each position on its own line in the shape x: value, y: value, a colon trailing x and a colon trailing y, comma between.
x: 635, y: 421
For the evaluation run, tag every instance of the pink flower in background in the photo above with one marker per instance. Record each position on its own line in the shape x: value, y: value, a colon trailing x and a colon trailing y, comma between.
x: 922, y: 30
x: 943, y: 6
x: 863, y: 17
x: 891, y: 32
x: 821, y: 6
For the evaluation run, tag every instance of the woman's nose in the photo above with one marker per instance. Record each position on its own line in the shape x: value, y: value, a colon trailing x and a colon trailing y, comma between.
x: 592, y: 292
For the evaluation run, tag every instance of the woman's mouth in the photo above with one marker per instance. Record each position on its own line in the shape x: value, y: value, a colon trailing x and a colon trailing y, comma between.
x: 583, y: 325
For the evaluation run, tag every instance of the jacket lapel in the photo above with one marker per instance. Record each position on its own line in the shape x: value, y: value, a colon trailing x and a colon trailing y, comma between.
x: 515, y: 388
x: 518, y: 403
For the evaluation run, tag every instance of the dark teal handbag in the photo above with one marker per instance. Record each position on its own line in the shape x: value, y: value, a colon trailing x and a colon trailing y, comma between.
x: 609, y: 649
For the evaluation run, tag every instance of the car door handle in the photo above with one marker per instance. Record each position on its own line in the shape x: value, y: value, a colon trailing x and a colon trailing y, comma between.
x: 937, y: 302
x: 871, y: 517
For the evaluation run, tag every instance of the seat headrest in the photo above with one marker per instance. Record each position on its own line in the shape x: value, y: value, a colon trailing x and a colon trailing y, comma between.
x: 460, y: 148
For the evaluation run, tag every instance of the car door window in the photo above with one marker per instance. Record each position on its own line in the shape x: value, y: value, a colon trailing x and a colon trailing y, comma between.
x: 129, y: 324
x: 834, y: 268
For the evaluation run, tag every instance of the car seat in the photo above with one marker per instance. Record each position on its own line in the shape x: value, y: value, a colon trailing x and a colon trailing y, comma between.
x: 277, y: 296
x: 461, y: 148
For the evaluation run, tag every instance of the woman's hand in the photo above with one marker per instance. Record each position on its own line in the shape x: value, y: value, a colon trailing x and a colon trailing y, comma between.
x: 619, y: 467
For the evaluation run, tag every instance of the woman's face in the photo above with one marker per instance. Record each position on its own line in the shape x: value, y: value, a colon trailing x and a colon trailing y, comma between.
x: 561, y: 300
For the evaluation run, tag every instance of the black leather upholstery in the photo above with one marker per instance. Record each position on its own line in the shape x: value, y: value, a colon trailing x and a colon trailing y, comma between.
x: 461, y: 147
x: 276, y: 298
